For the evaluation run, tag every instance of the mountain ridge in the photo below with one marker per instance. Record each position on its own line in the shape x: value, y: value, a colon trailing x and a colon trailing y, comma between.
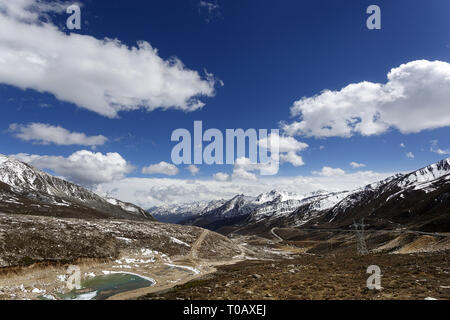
x: 398, y: 195
x: 21, y: 183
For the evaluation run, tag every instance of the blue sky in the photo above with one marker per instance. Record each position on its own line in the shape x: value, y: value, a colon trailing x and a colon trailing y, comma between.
x: 268, y: 54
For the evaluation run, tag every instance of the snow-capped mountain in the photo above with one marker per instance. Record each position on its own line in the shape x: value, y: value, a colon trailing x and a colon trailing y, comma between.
x: 279, y: 196
x: 285, y: 204
x: 25, y: 189
x: 423, y: 179
x: 267, y: 206
x: 228, y: 213
x: 414, y: 198
x: 176, y: 213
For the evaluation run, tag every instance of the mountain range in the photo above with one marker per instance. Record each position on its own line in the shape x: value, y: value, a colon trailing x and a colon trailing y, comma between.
x: 419, y: 200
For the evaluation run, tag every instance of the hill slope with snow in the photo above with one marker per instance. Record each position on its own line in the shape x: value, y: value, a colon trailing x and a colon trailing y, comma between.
x: 27, y: 190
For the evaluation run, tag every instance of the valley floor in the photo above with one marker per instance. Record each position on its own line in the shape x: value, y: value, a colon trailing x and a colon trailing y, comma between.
x: 199, y: 264
x: 318, y: 277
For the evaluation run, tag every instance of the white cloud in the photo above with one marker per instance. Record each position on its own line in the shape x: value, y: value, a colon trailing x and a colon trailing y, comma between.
x: 329, y: 172
x: 220, y: 176
x: 434, y: 148
x: 101, y: 75
x: 161, y: 168
x: 194, y: 170
x: 410, y: 155
x: 292, y: 158
x: 402, y: 145
x: 357, y: 165
x: 36, y: 9
x: 211, y: 9
x: 210, y: 6
x: 82, y: 167
x: 416, y: 97
x: 242, y: 174
x: 151, y: 192
x: 46, y: 134
x: 243, y: 167
x: 288, y: 148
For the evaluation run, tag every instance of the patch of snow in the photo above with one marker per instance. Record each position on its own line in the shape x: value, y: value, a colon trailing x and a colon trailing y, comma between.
x: 153, y: 281
x: 126, y: 240
x: 175, y: 240
x: 86, y: 296
x: 61, y: 278
x: 195, y: 271
x: 36, y: 290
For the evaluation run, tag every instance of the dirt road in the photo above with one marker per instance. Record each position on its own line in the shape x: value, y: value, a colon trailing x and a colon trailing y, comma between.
x: 197, y: 245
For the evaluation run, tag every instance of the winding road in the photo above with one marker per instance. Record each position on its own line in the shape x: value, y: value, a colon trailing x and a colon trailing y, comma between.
x: 275, y: 235
x: 197, y: 245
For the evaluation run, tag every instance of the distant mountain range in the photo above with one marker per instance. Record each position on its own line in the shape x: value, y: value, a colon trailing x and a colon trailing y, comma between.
x: 27, y: 190
x: 419, y: 200
x: 178, y: 213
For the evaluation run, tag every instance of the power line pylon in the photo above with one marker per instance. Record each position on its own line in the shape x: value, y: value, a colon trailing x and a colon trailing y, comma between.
x: 360, y: 237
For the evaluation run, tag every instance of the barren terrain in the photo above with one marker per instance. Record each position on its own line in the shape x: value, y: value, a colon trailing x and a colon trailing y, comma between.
x: 317, y: 277
x: 35, y: 253
x: 289, y: 263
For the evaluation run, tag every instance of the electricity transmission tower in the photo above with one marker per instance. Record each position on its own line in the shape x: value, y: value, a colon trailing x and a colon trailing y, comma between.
x: 360, y: 237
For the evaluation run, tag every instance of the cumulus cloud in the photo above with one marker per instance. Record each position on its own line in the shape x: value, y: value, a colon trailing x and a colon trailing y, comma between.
x: 410, y: 155
x: 32, y: 10
x: 152, y: 192
x: 47, y: 134
x: 288, y: 148
x: 416, y: 97
x: 402, y: 145
x: 243, y: 174
x: 221, y: 176
x: 82, y: 167
x: 356, y: 165
x: 329, y: 172
x: 434, y: 148
x: 244, y: 168
x: 161, y: 168
x: 102, y: 75
x: 194, y: 170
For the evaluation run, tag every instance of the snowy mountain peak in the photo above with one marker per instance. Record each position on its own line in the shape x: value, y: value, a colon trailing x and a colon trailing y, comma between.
x: 279, y: 196
x: 283, y: 208
x: 3, y: 159
x: 32, y: 183
x: 428, y: 174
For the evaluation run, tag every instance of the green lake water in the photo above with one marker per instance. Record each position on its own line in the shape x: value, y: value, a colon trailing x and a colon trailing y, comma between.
x: 105, y: 286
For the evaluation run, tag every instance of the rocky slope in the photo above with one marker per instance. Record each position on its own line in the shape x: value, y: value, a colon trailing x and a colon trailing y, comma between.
x: 29, y: 239
x: 27, y: 190
x: 420, y: 199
